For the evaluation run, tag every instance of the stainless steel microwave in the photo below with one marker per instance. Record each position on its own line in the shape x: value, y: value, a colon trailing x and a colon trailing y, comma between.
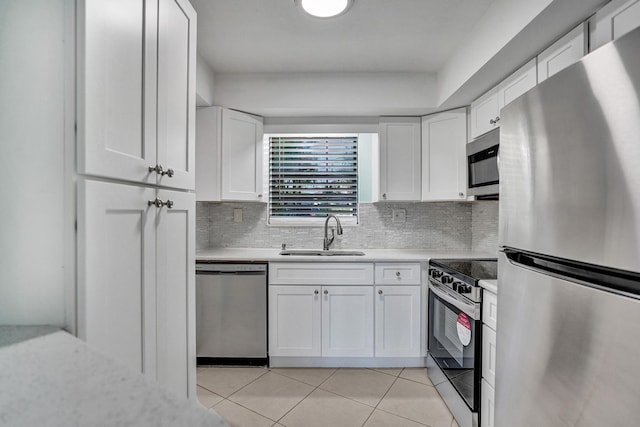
x: 482, y: 165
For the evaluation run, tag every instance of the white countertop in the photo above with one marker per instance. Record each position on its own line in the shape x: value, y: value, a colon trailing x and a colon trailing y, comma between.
x: 370, y: 255
x: 490, y: 285
x: 49, y: 377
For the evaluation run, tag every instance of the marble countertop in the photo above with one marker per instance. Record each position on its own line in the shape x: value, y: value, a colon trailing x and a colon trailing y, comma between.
x: 48, y: 377
x: 370, y: 255
x: 490, y: 285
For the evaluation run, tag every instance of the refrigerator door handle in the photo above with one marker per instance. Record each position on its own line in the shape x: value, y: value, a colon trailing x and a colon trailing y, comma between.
x: 608, y: 279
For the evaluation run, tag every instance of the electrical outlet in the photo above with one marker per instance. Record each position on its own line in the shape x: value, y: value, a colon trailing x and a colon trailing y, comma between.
x: 399, y: 216
x: 237, y: 215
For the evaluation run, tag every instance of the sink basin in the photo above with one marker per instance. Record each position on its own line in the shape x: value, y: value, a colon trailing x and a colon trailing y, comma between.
x: 315, y: 252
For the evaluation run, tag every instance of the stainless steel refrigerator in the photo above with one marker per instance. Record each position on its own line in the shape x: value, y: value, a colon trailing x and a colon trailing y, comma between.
x: 568, y: 332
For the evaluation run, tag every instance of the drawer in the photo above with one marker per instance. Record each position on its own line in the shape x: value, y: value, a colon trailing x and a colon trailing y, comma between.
x: 320, y: 273
x: 489, y: 309
x: 487, y: 405
x: 407, y: 273
x: 489, y: 355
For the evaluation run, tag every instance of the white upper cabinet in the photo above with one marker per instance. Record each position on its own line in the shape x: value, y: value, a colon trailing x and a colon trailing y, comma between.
x: 566, y: 51
x: 242, y: 147
x: 400, y: 159
x: 444, y: 159
x: 176, y: 94
x: 518, y: 83
x: 230, y: 150
x: 613, y: 21
x: 136, y: 90
x: 484, y: 113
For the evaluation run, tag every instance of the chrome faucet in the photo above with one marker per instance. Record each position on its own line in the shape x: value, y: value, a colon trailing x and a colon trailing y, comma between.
x: 327, y: 241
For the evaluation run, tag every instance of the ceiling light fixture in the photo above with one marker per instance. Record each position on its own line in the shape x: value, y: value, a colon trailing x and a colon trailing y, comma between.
x: 324, y: 8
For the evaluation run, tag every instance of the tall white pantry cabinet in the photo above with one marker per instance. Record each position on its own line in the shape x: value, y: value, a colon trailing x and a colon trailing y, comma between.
x: 136, y: 176
x: 97, y: 120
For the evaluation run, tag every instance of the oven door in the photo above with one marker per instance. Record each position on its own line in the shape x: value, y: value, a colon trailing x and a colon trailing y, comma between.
x: 455, y: 341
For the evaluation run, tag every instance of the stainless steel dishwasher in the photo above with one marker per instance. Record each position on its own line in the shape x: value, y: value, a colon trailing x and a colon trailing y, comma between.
x: 231, y: 314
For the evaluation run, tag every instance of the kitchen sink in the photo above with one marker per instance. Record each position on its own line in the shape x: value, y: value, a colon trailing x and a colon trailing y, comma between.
x: 315, y: 252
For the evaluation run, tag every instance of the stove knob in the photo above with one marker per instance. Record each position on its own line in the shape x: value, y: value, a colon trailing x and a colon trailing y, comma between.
x: 447, y: 279
x: 435, y: 273
x: 456, y: 285
x: 464, y: 289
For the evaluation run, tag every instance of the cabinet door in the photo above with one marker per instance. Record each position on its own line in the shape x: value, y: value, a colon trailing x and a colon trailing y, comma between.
x: 444, y: 157
x: 484, y: 112
x: 175, y: 292
x: 525, y: 78
x: 489, y: 354
x: 400, y: 169
x: 566, y: 51
x: 397, y: 321
x: 116, y: 272
x: 613, y: 21
x: 242, y: 148
x: 487, y: 405
x: 176, y: 102
x: 347, y: 321
x: 116, y: 89
x: 294, y: 321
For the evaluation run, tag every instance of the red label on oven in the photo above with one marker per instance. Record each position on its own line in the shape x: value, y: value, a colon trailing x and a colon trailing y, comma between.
x: 463, y: 325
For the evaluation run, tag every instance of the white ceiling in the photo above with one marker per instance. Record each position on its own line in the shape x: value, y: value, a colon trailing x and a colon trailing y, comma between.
x: 383, y: 57
x: 373, y: 36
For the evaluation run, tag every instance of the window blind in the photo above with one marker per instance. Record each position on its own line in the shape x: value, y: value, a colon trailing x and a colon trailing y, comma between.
x: 311, y: 177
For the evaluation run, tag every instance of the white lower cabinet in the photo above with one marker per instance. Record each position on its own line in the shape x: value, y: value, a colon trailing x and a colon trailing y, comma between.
x: 295, y: 321
x: 347, y: 321
x: 397, y: 321
x: 487, y: 392
x: 136, y: 277
x: 328, y: 321
x: 488, y: 404
x: 315, y: 318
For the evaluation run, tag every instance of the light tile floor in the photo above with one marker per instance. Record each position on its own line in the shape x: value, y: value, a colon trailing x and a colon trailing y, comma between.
x: 248, y: 397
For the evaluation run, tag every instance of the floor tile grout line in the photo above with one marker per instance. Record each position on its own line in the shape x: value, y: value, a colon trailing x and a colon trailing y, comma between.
x: 296, y: 405
x: 244, y: 407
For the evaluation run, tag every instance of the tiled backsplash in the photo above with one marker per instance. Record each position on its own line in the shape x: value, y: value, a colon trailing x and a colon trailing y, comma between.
x: 439, y: 226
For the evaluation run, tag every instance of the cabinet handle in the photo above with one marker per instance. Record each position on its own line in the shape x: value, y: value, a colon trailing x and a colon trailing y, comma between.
x: 461, y: 194
x: 157, y: 169
x: 160, y: 171
x: 315, y: 292
x: 380, y: 292
x: 384, y: 195
x: 259, y: 196
x: 497, y: 119
x: 398, y: 275
x: 158, y: 203
x: 326, y: 292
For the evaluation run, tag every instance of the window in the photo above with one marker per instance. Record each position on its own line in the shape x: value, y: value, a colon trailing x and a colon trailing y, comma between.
x: 311, y: 177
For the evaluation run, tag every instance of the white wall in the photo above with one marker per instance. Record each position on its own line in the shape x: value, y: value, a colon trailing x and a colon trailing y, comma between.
x: 204, y: 83
x: 32, y: 161
x: 326, y: 94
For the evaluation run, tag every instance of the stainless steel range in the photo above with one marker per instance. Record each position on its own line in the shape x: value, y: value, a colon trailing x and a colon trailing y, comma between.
x: 455, y: 333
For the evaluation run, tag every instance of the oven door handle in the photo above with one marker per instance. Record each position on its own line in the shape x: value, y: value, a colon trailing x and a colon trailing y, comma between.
x: 469, y: 309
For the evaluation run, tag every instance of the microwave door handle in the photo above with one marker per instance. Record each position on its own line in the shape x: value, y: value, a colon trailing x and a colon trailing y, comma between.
x: 468, y: 309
